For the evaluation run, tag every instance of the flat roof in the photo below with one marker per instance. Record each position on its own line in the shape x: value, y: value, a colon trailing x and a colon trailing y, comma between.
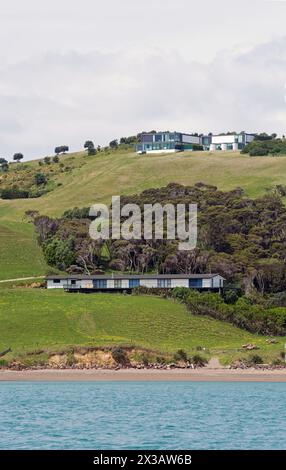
x: 134, y: 276
x: 169, y: 132
x: 234, y: 133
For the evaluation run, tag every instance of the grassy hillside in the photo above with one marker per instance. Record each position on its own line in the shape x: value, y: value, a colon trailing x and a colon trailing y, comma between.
x: 85, y: 180
x: 32, y: 319
x: 20, y: 254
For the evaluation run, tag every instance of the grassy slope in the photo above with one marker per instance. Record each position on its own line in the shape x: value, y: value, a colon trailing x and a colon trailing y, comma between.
x: 31, y: 319
x: 105, y: 319
x: 20, y: 254
x: 96, y: 179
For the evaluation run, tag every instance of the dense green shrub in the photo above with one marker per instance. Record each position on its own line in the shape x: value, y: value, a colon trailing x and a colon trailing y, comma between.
x: 119, y: 355
x: 14, y: 193
x: 77, y: 213
x: 181, y: 355
x: 258, y: 152
x: 254, y: 360
x: 40, y: 179
x: 266, y: 145
x: 59, y: 253
x: 199, y: 360
x: 244, y: 313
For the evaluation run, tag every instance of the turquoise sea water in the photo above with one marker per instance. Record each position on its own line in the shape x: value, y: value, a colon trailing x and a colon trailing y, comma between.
x: 142, y: 415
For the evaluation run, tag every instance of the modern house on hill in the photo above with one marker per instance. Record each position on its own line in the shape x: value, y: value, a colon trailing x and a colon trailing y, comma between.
x: 165, y: 142
x: 127, y: 282
x: 158, y: 142
x: 230, y: 141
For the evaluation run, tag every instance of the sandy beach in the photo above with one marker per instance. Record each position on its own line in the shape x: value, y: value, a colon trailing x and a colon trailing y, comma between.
x: 202, y: 374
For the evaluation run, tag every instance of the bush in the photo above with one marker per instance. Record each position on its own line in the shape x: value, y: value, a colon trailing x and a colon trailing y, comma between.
x: 181, y: 355
x: 277, y: 362
x: 197, y: 147
x: 255, y: 360
x: 59, y: 253
x: 145, y: 360
x: 71, y: 360
x: 40, y: 179
x: 199, y: 360
x: 243, y: 313
x: 14, y: 193
x: 77, y: 213
x: 230, y: 295
x: 258, y: 152
x: 120, y: 356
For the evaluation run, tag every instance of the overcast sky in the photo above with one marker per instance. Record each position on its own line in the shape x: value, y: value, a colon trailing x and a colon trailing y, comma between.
x: 74, y: 70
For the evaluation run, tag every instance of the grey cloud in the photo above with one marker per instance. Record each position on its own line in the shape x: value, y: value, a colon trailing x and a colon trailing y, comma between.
x: 57, y: 98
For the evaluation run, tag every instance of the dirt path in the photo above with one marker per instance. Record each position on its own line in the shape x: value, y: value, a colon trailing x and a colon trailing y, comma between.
x: 23, y: 279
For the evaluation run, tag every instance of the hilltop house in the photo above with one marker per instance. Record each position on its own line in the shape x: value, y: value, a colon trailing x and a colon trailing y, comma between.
x: 164, y: 142
x: 157, y: 142
x: 127, y: 282
x: 230, y: 141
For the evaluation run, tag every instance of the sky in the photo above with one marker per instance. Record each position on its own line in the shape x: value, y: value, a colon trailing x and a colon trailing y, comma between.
x: 73, y: 71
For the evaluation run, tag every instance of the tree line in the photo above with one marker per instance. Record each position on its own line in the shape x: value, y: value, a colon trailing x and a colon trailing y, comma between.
x: 243, y: 239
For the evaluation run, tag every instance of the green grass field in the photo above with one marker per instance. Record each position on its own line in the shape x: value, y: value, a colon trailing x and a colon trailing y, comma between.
x: 35, y: 318
x: 20, y: 254
x: 97, y: 178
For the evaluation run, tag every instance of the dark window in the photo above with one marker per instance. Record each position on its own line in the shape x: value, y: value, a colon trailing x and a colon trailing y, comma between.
x: 100, y: 283
x: 147, y: 138
x: 197, y: 283
x: 117, y: 283
x: 56, y: 281
x: 73, y: 282
x: 133, y: 282
x: 158, y: 137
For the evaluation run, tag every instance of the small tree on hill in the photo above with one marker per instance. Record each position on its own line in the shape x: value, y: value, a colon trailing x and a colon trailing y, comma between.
x: 56, y: 159
x: 89, y: 146
x: 61, y: 149
x: 113, y: 144
x: 47, y: 160
x: 4, y: 164
x: 18, y: 156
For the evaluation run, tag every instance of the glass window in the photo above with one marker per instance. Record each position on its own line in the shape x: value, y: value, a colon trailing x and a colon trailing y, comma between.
x: 56, y: 281
x: 100, y: 283
x: 147, y: 138
x: 196, y: 283
x: 164, y: 282
x: 133, y: 282
x: 117, y: 283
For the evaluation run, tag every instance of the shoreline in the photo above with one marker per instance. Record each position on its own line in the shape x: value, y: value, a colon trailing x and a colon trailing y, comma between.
x: 181, y: 375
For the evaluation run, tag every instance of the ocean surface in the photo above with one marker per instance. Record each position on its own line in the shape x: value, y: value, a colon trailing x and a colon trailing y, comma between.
x: 142, y: 415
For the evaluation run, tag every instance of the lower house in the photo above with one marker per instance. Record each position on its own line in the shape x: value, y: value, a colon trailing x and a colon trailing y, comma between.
x: 127, y: 282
